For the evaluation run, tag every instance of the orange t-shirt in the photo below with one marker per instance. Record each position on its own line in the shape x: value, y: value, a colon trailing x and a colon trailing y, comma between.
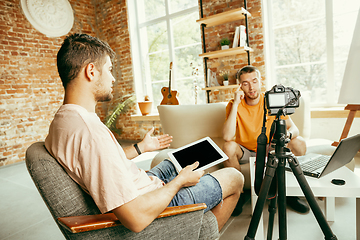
x: 249, y: 121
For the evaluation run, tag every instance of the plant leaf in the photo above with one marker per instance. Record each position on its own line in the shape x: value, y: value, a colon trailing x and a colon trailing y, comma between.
x: 122, y: 107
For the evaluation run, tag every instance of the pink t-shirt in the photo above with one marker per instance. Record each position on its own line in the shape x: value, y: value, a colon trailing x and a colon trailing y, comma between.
x: 93, y: 158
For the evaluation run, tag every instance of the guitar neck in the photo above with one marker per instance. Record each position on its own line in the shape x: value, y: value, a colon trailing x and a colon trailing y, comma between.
x: 169, y: 94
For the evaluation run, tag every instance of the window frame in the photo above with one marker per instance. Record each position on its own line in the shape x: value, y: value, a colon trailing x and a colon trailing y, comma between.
x: 142, y: 83
x: 269, y: 49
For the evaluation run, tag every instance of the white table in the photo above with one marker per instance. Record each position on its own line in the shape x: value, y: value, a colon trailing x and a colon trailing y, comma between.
x: 321, y: 187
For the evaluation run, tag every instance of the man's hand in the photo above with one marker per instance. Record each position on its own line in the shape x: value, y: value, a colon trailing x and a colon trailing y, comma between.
x: 141, y: 211
x: 229, y: 128
x: 150, y: 143
x: 238, y: 95
x: 188, y: 177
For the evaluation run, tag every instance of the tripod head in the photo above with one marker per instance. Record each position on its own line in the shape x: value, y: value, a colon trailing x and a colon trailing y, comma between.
x: 278, y: 132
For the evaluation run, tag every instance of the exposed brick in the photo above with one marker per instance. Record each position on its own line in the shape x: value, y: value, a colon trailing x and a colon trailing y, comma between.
x: 213, y: 35
x: 31, y: 91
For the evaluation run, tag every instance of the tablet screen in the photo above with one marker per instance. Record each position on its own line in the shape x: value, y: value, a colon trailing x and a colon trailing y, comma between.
x: 203, y: 152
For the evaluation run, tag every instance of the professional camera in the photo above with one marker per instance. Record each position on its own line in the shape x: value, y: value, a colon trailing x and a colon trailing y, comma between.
x: 280, y: 97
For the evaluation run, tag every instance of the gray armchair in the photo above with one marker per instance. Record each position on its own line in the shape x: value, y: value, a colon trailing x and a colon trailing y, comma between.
x: 65, y: 198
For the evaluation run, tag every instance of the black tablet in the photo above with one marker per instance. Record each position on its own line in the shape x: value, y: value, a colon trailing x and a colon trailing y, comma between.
x: 205, y: 151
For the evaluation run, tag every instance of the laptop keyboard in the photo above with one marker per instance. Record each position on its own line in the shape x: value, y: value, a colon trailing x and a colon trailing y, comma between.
x: 315, y: 164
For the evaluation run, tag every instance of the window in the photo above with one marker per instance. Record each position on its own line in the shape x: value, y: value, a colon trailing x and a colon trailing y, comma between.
x: 164, y: 31
x: 309, y: 42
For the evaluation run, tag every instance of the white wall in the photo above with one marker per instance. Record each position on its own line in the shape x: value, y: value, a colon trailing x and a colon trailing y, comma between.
x: 331, y: 128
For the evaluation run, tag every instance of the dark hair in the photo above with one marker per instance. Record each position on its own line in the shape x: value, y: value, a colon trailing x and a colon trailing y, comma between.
x: 248, y: 69
x: 77, y: 51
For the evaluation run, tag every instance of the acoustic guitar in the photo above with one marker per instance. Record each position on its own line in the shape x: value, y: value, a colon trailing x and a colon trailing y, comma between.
x: 169, y: 96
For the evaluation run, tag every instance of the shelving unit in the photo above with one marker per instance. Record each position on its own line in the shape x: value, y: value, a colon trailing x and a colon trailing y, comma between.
x: 233, y: 15
x: 226, y: 52
x: 220, y: 87
x: 221, y: 18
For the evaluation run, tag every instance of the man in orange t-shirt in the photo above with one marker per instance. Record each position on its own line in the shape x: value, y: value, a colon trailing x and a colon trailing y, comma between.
x: 244, y: 120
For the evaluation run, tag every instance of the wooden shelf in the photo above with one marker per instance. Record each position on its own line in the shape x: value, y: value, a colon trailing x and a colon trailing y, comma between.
x: 225, y: 17
x: 151, y: 117
x: 226, y: 52
x: 221, y: 87
x: 331, y: 113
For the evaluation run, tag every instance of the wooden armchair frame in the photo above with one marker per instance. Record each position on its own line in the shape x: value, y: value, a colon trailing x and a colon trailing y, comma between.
x: 76, y: 224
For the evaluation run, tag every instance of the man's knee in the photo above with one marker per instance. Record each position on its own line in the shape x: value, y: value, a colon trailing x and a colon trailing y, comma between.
x: 231, y: 180
x: 230, y: 148
x: 237, y: 180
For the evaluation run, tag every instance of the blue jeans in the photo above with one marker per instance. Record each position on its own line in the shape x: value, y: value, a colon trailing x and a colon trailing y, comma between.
x: 207, y: 191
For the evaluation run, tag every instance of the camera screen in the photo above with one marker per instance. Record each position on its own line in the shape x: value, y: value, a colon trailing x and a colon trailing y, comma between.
x: 277, y: 100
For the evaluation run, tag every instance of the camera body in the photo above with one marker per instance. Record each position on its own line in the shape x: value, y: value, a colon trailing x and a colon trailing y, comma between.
x: 282, y: 97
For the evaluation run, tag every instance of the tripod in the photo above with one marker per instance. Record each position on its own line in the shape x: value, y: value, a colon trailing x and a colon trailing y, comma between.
x: 275, y: 166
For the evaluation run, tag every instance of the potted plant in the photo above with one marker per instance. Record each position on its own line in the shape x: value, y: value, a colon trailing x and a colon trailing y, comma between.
x: 225, y: 76
x: 225, y: 42
x: 145, y: 107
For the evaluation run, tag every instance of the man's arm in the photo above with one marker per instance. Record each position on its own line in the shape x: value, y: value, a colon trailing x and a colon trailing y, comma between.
x: 292, y: 128
x: 229, y: 128
x: 297, y: 144
x: 140, y: 212
x: 148, y: 144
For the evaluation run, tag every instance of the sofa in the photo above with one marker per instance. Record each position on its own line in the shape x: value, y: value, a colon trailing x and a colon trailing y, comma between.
x: 188, y: 123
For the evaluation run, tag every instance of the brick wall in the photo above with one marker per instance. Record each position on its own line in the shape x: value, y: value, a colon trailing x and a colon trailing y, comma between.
x: 213, y: 35
x: 112, y: 26
x: 31, y: 91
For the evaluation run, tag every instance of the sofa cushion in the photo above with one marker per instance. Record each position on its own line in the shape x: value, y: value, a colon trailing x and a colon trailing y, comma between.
x: 188, y: 123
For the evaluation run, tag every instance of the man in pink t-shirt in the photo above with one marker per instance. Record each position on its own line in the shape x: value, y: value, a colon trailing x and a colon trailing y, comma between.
x: 92, y: 157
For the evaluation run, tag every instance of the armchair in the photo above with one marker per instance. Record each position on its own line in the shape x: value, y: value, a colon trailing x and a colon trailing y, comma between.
x: 76, y: 213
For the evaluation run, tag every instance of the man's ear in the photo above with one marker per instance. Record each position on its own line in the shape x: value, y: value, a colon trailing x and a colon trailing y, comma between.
x: 90, y: 71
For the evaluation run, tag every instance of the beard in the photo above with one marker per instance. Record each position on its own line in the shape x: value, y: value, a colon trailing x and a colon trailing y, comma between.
x: 104, y: 97
x: 101, y: 94
x: 253, y: 97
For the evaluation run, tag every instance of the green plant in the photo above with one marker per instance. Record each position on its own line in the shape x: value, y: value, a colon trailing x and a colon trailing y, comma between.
x: 125, y: 103
x: 224, y: 41
x: 224, y: 74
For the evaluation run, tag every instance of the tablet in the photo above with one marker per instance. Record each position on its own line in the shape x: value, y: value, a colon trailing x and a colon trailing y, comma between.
x: 205, y: 151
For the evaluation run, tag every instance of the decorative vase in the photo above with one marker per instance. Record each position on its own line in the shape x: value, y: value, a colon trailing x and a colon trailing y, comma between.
x: 223, y: 47
x: 145, y: 107
x: 225, y: 82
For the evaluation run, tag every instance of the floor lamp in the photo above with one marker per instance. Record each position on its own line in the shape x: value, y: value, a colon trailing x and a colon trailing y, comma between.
x: 350, y: 88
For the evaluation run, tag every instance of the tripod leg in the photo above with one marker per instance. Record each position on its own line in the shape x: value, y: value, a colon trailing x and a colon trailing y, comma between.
x: 294, y: 165
x: 280, y: 172
x: 272, y: 211
x: 264, y: 189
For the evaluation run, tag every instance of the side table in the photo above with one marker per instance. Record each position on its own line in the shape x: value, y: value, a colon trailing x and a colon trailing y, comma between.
x: 321, y: 187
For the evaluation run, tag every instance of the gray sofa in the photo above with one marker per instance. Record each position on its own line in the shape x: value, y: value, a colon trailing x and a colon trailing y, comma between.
x: 64, y: 197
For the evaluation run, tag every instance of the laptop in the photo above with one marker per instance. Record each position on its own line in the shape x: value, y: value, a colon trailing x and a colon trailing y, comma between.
x: 205, y: 151
x: 317, y: 165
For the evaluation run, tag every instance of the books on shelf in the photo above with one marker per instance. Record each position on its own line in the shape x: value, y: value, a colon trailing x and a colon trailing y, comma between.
x: 242, y: 40
x: 236, y: 37
x: 211, y: 79
x: 240, y: 37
